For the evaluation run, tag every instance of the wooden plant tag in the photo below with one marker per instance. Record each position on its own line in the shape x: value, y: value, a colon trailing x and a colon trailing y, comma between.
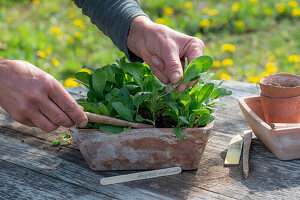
x: 140, y: 175
x: 246, y: 149
x: 234, y: 151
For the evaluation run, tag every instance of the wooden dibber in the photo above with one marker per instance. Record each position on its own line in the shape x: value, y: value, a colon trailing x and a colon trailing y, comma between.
x: 113, y: 121
x: 284, y: 125
x: 234, y: 151
x: 246, y: 149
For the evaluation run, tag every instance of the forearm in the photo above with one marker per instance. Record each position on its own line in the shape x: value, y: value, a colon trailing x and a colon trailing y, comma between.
x: 112, y: 17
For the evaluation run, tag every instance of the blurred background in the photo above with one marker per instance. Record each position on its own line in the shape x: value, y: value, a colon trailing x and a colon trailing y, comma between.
x: 247, y: 39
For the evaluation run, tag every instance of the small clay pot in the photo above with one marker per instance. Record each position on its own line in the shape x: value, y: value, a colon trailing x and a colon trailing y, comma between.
x: 280, y: 98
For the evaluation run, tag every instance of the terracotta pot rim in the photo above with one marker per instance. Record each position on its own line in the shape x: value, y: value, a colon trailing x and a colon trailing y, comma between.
x: 275, y: 86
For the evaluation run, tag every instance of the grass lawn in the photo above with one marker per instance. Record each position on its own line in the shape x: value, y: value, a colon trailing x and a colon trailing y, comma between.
x: 247, y: 39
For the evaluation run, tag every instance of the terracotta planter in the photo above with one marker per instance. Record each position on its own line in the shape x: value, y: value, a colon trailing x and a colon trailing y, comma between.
x: 283, y: 142
x: 141, y: 149
x: 280, y: 98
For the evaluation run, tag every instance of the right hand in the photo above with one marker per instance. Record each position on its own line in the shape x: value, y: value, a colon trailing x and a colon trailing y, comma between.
x: 34, y: 98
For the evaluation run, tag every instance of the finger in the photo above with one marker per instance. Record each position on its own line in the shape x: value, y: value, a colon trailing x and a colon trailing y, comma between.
x: 182, y: 87
x: 55, y: 114
x: 195, y: 48
x: 28, y: 123
x: 190, y: 84
x: 173, y: 67
x: 156, y: 65
x: 67, y: 104
x: 40, y: 121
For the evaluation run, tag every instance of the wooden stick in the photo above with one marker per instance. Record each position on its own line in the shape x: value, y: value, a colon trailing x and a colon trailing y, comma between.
x: 284, y: 125
x: 113, y: 121
x: 140, y: 175
x: 246, y: 149
x: 234, y: 151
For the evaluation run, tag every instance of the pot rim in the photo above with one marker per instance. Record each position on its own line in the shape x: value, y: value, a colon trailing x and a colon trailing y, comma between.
x: 261, y: 82
x: 261, y: 94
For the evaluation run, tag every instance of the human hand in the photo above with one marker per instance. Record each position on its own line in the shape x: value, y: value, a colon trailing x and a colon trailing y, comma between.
x: 163, y: 49
x: 34, y: 98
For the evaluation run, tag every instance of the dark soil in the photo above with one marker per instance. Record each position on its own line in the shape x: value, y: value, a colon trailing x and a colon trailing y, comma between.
x: 161, y: 121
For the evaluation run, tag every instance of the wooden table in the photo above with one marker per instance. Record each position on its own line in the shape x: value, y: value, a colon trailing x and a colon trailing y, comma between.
x: 30, y: 168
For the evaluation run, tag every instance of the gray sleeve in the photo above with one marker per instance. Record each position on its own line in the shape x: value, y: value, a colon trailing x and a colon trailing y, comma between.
x: 113, y: 18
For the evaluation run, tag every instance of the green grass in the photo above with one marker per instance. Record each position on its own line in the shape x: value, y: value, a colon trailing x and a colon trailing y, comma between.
x: 257, y: 30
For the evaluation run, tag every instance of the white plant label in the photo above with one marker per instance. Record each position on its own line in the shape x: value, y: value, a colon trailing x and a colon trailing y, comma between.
x: 140, y: 175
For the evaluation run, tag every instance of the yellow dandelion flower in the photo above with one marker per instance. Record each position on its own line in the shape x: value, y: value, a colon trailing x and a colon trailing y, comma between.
x: 36, y: 2
x: 228, y: 47
x: 160, y: 20
x: 227, y: 62
x: 293, y: 4
x: 253, y: 1
x: 188, y: 4
x: 294, y: 59
x: 70, y: 82
x: 253, y: 79
x: 272, y: 58
x: 225, y: 76
x: 265, y: 73
x: 78, y: 22
x: 204, y: 23
x: 55, y: 30
x: 168, y: 11
x: 235, y: 7
x: 280, y: 7
x: 296, y: 12
x: 267, y: 11
x: 70, y: 40
x: 212, y: 12
x: 55, y: 62
x: 249, y: 56
x: 61, y: 36
x: 41, y: 54
x: 48, y: 51
x: 217, y: 63
x: 78, y: 35
x: 85, y: 70
x: 239, y: 23
x: 271, y: 68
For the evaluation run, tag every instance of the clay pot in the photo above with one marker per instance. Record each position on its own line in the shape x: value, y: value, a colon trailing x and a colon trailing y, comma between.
x: 140, y: 149
x: 280, y: 98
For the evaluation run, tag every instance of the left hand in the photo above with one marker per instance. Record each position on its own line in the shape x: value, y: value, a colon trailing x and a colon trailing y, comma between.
x: 163, y: 49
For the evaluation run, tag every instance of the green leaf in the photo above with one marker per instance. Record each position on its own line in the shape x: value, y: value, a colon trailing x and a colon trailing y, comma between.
x: 109, y: 73
x: 172, y: 106
x: 205, y: 92
x: 184, y: 119
x: 55, y: 142
x: 89, y: 107
x: 103, y: 109
x: 92, y: 96
x: 140, y: 98
x: 99, y: 81
x: 204, y: 61
x: 84, y: 77
x: 220, y: 92
x: 205, y: 119
x: 201, y: 111
x: 139, y: 118
x: 111, y: 129
x: 132, y: 88
x: 125, y: 98
x: 134, y: 69
x: 122, y: 111
x: 178, y: 133
x: 185, y: 99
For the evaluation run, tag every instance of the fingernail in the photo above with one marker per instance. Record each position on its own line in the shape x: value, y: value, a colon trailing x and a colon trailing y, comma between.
x: 175, y: 77
x: 83, y: 124
x: 155, y: 60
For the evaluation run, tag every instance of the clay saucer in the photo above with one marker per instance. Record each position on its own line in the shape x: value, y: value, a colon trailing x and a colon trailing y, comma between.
x: 283, y: 142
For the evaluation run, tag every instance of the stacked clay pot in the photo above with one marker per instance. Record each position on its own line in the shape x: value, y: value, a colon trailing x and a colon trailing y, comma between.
x: 280, y: 98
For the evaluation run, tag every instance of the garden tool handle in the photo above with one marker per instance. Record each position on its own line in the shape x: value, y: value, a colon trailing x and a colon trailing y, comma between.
x: 114, y: 121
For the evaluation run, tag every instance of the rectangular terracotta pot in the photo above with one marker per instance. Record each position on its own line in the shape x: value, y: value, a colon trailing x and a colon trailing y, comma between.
x: 283, y: 142
x: 140, y: 149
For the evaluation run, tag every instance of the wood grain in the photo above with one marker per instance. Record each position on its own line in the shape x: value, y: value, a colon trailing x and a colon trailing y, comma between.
x: 246, y: 148
x: 234, y: 151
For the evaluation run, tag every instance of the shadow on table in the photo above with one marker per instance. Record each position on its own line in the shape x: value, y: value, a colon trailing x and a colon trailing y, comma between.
x: 266, y: 172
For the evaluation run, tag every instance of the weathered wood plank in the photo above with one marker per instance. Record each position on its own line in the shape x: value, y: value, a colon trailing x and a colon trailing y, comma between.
x: 38, y: 160
x: 246, y: 149
x: 22, y: 183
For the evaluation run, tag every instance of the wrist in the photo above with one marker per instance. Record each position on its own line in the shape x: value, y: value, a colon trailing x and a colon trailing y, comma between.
x: 139, y: 27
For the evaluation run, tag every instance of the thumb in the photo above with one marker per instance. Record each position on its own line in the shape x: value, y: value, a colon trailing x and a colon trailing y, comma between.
x: 173, y: 67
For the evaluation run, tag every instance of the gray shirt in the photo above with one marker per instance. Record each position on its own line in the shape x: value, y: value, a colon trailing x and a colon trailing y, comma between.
x: 113, y: 18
